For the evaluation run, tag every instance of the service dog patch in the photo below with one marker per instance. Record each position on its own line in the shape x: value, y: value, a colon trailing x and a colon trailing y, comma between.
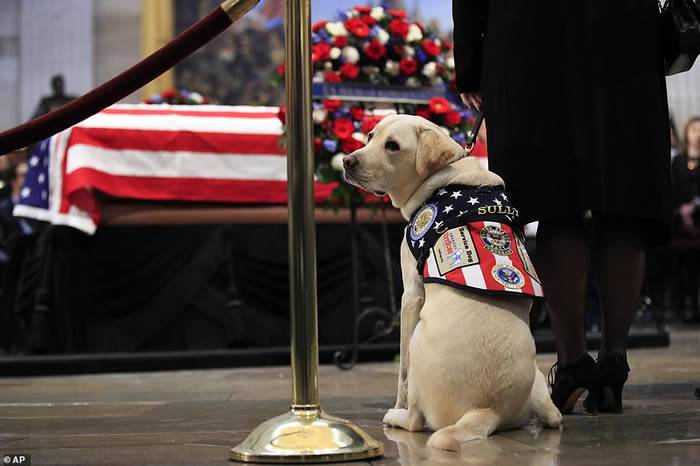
x: 455, y: 249
x: 422, y: 221
x: 508, y: 276
x: 496, y: 240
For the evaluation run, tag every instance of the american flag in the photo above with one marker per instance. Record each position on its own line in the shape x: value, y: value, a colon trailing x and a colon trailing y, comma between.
x: 167, y: 153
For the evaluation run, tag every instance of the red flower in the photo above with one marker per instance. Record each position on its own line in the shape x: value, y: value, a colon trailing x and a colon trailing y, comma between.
x: 397, y: 13
x: 332, y: 77
x: 431, y: 48
x: 453, y: 118
x: 332, y: 104
x: 318, y: 145
x: 349, y: 71
x: 368, y: 20
x: 447, y: 44
x: 369, y: 123
x: 399, y: 27
x: 375, y: 50
x: 439, y: 105
x: 357, y: 113
x: 340, y: 41
x: 408, y: 66
x: 424, y: 111
x: 363, y: 9
x: 399, y: 49
x: 343, y: 128
x: 280, y: 69
x: 322, y: 50
x: 357, y: 27
x: 350, y: 145
x: 169, y: 94
x: 282, y: 114
x: 318, y: 25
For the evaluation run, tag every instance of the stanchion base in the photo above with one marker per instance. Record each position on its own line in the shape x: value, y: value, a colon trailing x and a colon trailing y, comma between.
x: 306, y: 435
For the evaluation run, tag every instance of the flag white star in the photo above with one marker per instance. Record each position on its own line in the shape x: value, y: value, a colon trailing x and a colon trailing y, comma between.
x: 421, y: 243
x: 25, y: 192
x: 497, y: 201
x: 503, y: 195
x: 413, y: 243
x: 34, y: 161
x: 437, y: 225
x: 473, y: 200
x: 44, y: 195
x: 448, y: 209
x: 442, y: 192
x: 41, y: 178
x: 456, y: 194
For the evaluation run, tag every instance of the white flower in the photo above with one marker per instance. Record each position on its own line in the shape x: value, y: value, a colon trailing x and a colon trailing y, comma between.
x: 318, y: 76
x: 320, y: 115
x: 409, y: 51
x: 351, y: 55
x: 353, y: 14
x: 360, y: 137
x: 336, y: 28
x: 382, y: 36
x: 335, y: 53
x: 370, y: 70
x: 436, y: 81
x: 430, y: 69
x: 413, y: 82
x: 450, y: 63
x: 414, y: 33
x: 392, y: 68
x: 337, y: 162
x: 196, y: 97
x: 438, y: 42
x: 377, y: 13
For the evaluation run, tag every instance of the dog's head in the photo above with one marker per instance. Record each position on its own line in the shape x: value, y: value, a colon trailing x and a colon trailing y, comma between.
x: 402, y: 151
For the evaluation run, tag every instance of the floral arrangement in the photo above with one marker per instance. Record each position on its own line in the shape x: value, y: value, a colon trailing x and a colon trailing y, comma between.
x: 177, y: 97
x: 376, y: 45
x: 382, y: 47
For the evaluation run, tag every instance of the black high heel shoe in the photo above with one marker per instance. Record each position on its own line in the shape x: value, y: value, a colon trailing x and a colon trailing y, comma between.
x: 569, y: 382
x: 613, y: 370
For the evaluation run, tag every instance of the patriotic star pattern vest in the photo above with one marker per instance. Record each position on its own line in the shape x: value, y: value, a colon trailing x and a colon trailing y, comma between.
x: 468, y: 237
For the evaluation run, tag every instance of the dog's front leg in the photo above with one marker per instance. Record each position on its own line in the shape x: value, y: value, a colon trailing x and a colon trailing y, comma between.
x: 411, y: 304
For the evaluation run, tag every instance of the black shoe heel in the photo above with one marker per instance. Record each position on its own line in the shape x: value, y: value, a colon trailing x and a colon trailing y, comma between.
x: 570, y: 381
x: 613, y: 375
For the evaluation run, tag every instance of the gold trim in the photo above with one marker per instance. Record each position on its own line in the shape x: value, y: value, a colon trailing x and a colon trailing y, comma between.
x: 237, y: 8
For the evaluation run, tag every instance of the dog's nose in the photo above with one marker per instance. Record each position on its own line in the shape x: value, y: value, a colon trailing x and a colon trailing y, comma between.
x: 349, y: 162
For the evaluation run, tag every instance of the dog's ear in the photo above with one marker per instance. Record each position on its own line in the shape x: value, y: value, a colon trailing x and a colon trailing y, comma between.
x: 436, y: 150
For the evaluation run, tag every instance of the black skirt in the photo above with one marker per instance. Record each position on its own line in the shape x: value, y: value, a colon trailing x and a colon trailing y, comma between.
x: 575, y: 102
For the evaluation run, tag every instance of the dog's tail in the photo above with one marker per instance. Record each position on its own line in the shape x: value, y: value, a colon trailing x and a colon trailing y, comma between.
x: 476, y: 424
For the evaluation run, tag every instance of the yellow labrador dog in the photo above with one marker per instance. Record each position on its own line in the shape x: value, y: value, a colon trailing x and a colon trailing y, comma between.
x: 467, y: 364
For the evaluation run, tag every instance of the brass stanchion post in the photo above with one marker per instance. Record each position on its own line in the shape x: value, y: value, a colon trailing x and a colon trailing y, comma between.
x: 306, y: 434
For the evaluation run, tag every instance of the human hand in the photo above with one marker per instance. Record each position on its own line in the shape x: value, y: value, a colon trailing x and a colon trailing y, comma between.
x: 472, y: 100
x: 686, y: 212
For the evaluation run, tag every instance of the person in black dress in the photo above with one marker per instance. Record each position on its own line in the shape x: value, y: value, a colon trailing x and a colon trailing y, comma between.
x: 574, y: 94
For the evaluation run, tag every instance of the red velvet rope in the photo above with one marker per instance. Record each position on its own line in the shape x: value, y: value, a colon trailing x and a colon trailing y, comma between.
x: 118, y: 87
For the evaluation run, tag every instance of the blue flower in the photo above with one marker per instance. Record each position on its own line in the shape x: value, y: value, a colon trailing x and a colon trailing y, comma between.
x: 330, y: 145
x: 422, y: 56
x: 315, y: 38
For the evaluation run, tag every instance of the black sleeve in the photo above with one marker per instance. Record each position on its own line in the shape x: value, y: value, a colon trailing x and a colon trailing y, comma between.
x: 469, y: 17
x: 679, y: 181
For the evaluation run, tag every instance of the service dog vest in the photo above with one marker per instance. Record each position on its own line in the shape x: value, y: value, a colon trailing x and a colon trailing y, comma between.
x: 467, y: 237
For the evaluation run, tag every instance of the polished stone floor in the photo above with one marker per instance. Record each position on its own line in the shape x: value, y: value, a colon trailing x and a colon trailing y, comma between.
x: 193, y: 417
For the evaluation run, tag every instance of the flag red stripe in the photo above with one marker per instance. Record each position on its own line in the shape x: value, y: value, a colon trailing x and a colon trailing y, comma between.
x: 204, y: 114
x: 172, y: 141
x: 456, y: 276
x: 186, y: 189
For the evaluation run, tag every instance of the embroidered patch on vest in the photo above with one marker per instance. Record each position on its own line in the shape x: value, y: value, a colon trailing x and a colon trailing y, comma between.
x: 496, y: 240
x: 455, y: 249
x: 423, y: 220
x: 508, y: 276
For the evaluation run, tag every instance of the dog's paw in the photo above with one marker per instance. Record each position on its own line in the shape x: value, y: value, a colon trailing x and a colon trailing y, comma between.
x: 395, y: 417
x: 551, y: 418
x: 444, y: 440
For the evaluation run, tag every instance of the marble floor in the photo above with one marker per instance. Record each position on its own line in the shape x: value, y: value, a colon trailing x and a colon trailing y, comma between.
x: 193, y: 417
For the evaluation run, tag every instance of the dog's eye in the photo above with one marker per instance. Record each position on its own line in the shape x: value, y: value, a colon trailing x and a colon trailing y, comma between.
x: 391, y: 146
